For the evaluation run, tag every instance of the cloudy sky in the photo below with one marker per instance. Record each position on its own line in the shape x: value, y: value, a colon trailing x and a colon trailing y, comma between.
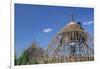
x: 40, y: 23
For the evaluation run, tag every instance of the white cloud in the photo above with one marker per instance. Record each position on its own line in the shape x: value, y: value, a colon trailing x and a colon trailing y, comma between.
x: 88, y: 23
x: 47, y: 30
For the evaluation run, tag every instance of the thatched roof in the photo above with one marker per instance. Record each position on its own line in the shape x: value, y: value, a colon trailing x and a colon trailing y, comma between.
x: 34, y: 51
x: 73, y: 31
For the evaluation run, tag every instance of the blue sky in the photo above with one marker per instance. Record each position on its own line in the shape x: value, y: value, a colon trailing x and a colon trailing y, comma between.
x: 40, y: 23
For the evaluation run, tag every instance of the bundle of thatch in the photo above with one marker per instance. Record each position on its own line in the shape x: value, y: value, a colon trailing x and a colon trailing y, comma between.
x: 32, y: 55
x: 35, y: 53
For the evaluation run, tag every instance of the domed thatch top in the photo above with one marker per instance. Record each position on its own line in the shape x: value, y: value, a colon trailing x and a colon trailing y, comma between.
x: 73, y: 31
x: 71, y: 26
